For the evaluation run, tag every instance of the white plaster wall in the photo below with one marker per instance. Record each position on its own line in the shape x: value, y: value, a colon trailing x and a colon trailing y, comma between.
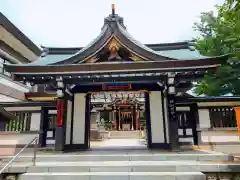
x: 79, y: 118
x: 204, y: 118
x: 220, y: 136
x: 15, y: 138
x: 69, y: 120
x: 166, y: 119
x: 156, y: 114
x: 35, y: 122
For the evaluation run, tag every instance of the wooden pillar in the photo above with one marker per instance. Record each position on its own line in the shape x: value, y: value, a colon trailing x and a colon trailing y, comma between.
x: 194, y: 122
x: 148, y: 121
x: 171, y: 105
x: 87, y: 121
x: 43, y: 127
x: 60, y: 130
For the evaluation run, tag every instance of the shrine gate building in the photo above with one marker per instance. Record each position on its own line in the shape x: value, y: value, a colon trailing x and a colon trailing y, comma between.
x: 114, y: 61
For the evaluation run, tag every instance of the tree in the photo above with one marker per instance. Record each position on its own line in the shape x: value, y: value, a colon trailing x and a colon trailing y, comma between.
x: 220, y: 35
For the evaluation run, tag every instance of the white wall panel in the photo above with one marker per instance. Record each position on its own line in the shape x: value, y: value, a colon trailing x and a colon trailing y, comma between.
x: 79, y: 118
x: 204, y: 118
x: 35, y: 122
x: 156, y: 114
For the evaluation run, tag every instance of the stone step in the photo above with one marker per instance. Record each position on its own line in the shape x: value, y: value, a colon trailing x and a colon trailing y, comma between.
x: 124, y: 166
x: 115, y: 176
x: 123, y: 157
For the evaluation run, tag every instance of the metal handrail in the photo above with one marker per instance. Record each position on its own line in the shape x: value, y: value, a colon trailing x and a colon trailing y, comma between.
x: 34, y: 154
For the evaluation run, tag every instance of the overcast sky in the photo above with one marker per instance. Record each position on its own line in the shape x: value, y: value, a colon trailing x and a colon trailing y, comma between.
x: 68, y: 23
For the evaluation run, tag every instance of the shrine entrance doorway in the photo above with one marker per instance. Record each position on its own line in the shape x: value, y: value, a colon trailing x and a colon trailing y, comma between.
x: 118, y: 119
x: 101, y: 113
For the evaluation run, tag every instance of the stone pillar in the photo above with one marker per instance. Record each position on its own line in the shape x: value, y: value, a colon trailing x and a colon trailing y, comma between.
x: 114, y: 117
x: 119, y: 119
x: 132, y: 118
x: 171, y: 105
x: 137, y: 117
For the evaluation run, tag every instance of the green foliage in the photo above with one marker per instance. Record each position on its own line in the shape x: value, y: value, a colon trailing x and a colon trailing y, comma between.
x: 220, y: 35
x: 15, y: 125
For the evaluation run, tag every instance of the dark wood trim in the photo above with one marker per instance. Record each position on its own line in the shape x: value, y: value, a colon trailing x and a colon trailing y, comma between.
x: 160, y: 146
x: 19, y: 35
x: 164, y: 119
x: 155, y: 47
x: 43, y: 127
x: 87, y: 121
x: 220, y: 107
x: 186, y: 100
x: 74, y: 147
x: 38, y: 94
x: 6, y: 115
x: 29, y: 104
x: 148, y: 121
x: 65, y: 112
x: 172, y: 122
x: 195, y: 121
x: 125, y: 67
x: 72, y: 116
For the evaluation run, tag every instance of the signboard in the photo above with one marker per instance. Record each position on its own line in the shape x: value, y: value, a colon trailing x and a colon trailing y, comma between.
x: 172, y: 107
x: 116, y: 86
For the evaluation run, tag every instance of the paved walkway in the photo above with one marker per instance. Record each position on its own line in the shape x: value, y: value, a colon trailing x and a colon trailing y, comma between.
x: 119, y: 144
x: 123, y: 142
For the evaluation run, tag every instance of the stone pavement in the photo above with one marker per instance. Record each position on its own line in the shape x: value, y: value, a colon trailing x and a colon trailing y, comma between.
x: 122, y: 143
x: 123, y: 159
x: 122, y: 164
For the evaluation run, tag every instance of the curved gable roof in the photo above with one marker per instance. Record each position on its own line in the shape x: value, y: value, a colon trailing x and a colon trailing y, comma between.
x: 113, y: 28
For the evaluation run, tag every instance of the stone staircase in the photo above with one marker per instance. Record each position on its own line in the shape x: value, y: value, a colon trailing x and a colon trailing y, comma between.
x: 125, y: 134
x: 122, y: 166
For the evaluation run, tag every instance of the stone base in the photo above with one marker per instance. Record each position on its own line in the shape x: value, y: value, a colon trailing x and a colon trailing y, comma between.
x: 95, y: 135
